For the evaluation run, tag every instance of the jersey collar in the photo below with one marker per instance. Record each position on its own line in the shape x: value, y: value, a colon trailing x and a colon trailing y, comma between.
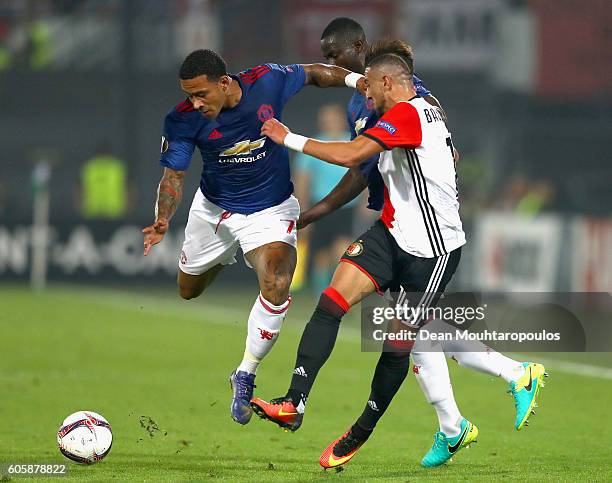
x: 241, y: 101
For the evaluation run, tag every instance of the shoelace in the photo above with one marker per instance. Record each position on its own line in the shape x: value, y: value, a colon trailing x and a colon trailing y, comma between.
x: 439, y: 440
x: 280, y: 400
x: 346, y: 445
x: 513, y: 392
x: 245, y: 388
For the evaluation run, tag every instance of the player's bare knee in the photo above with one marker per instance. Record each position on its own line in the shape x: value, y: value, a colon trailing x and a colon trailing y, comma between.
x: 192, y: 286
x: 187, y: 293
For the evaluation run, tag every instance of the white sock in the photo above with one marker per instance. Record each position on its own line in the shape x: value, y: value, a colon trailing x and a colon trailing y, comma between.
x: 449, y: 416
x: 477, y: 356
x: 491, y: 362
x: 431, y: 372
x: 265, y: 321
x: 509, y: 369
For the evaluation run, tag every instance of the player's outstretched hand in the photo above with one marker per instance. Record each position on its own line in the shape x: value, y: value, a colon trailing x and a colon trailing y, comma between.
x: 275, y: 130
x: 154, y: 233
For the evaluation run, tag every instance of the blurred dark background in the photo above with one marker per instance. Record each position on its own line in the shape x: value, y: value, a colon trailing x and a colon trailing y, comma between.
x: 527, y: 86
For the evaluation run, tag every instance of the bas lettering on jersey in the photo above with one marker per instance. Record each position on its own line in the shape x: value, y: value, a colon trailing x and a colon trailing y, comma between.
x: 433, y: 114
x: 362, y: 116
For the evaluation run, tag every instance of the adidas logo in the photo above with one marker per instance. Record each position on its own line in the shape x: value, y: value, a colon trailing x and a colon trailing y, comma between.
x: 215, y: 134
x: 300, y: 371
x: 373, y: 405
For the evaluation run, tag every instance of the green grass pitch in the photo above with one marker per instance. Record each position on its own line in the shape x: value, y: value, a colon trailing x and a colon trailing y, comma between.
x: 129, y: 355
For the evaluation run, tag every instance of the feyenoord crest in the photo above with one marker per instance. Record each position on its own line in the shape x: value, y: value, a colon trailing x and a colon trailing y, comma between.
x: 354, y: 249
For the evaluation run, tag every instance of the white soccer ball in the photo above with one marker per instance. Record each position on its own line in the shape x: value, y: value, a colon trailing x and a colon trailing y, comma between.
x: 85, y: 437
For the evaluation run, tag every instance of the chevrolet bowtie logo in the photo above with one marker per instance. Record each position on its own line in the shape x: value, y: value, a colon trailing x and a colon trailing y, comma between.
x: 244, y: 147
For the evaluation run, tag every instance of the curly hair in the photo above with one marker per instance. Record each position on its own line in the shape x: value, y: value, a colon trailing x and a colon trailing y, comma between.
x: 203, y: 62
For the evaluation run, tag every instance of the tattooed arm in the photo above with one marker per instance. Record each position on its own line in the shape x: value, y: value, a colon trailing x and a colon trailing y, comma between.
x: 323, y: 75
x: 169, y: 194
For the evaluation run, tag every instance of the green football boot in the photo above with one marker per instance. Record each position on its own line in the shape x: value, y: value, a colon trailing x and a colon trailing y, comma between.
x: 444, y: 448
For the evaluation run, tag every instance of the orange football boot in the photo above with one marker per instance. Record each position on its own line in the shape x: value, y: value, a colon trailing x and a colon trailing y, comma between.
x: 340, y: 451
x: 280, y: 411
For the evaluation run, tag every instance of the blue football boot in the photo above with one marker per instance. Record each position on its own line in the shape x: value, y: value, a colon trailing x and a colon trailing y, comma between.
x: 242, y: 384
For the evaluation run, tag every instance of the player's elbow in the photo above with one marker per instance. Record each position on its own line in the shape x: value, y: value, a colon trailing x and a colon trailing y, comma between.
x: 347, y: 159
x: 354, y: 162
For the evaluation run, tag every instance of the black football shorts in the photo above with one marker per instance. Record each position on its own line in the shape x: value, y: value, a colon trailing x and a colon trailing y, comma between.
x: 377, y: 255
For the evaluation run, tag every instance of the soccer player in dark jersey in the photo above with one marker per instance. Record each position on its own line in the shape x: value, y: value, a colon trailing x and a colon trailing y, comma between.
x: 245, y: 196
x: 344, y: 43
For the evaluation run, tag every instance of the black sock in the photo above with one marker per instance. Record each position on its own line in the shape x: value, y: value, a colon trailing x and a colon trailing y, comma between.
x: 360, y: 433
x: 317, y: 343
x: 391, y: 370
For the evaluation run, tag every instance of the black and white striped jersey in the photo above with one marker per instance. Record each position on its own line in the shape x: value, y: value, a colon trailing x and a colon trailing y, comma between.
x: 421, y: 208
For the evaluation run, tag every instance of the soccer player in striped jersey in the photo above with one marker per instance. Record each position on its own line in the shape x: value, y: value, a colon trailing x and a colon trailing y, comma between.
x: 245, y: 196
x: 417, y: 242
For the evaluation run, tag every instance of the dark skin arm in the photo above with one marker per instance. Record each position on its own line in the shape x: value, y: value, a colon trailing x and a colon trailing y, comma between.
x: 347, y: 189
x: 324, y: 75
x: 436, y: 103
x: 169, y: 194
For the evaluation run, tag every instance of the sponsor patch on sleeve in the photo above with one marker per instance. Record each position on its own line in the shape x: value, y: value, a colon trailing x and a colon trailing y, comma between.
x: 387, y: 126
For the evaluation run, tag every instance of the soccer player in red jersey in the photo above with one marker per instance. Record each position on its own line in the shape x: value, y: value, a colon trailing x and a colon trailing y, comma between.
x: 417, y: 243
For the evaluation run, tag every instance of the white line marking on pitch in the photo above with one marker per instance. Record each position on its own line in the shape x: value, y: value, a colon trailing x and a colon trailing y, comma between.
x: 220, y: 314
x: 576, y: 368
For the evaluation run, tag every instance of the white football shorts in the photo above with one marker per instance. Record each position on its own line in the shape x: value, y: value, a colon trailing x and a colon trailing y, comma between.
x: 213, y: 235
